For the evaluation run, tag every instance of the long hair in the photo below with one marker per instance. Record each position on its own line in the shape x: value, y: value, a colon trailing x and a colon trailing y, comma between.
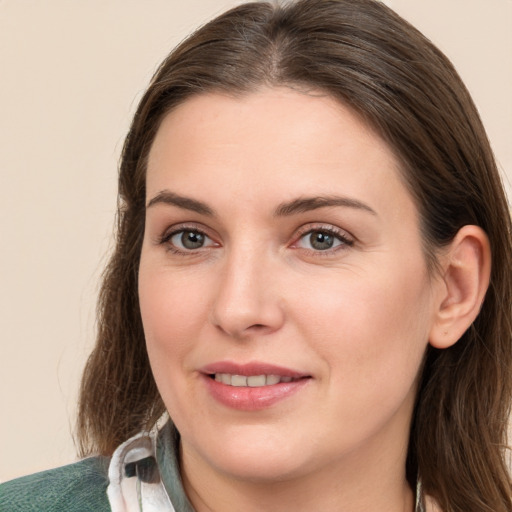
x: 363, y: 54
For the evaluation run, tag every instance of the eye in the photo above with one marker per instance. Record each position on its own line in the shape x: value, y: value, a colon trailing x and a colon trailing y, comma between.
x: 188, y: 240
x: 323, y: 240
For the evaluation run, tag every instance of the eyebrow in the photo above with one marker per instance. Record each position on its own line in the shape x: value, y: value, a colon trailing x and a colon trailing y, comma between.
x: 186, y: 203
x: 299, y: 205
x: 306, y: 204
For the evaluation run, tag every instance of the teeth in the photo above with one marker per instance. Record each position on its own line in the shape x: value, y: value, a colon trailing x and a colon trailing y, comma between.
x: 273, y: 379
x: 256, y: 380
x: 252, y: 381
x: 238, y: 381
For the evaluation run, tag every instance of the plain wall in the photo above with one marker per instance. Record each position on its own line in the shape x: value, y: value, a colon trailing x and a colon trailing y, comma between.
x: 71, y: 75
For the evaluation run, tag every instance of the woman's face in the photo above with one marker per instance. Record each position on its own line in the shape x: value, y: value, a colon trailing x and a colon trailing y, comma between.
x: 284, y: 293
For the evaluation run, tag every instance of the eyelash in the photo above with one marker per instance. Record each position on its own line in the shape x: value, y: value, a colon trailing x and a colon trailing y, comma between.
x: 344, y: 239
x: 165, y: 239
x: 342, y: 236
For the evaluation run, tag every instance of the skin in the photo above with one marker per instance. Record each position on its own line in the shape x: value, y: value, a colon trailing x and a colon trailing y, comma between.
x: 355, y: 318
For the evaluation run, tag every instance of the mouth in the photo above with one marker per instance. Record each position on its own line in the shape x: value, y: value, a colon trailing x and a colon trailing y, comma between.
x: 252, y: 386
x: 251, y: 381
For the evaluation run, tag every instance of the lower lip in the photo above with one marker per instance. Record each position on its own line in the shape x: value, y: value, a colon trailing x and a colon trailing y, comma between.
x: 253, y: 399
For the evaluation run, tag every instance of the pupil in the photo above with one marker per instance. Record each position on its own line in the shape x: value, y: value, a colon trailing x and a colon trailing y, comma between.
x: 192, y: 240
x: 321, y: 241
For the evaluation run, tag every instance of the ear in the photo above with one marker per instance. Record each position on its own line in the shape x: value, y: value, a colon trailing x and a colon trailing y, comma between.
x: 465, y: 273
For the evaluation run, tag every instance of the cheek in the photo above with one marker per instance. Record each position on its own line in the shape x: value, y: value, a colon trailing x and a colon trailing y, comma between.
x: 172, y: 316
x: 368, y: 328
x: 172, y: 309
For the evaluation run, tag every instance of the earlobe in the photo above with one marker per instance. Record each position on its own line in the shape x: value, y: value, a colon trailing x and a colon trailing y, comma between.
x: 466, y: 268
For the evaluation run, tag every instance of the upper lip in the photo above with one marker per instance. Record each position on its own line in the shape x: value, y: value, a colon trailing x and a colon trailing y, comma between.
x: 251, y: 368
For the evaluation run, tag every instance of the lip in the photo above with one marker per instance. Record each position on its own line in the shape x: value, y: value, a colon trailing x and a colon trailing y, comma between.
x: 252, y: 368
x: 252, y: 398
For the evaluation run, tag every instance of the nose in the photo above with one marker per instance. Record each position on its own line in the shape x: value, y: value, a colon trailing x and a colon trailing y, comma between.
x: 248, y: 301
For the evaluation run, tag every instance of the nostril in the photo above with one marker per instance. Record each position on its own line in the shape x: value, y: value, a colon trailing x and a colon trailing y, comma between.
x: 246, y: 317
x: 256, y: 328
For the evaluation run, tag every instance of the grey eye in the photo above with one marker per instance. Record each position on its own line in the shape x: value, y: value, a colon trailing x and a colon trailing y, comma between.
x: 189, y: 240
x: 321, y: 240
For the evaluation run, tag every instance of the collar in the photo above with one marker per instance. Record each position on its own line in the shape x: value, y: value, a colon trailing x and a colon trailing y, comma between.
x: 144, y: 473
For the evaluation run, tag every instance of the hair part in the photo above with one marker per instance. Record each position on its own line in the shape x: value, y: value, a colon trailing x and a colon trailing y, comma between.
x: 366, y: 56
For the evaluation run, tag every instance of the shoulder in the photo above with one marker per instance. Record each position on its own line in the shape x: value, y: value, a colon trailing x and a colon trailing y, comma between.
x: 74, y: 488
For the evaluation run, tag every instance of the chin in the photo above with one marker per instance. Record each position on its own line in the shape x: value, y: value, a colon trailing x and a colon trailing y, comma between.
x: 262, y: 468
x: 255, y: 456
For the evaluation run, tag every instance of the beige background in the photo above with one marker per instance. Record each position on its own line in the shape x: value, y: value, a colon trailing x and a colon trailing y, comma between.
x: 71, y: 74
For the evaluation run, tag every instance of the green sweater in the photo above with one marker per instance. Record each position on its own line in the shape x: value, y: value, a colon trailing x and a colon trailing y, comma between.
x: 82, y: 486
x: 75, y: 488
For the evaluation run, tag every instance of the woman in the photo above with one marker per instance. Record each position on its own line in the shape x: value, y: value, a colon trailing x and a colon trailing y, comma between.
x: 312, y: 278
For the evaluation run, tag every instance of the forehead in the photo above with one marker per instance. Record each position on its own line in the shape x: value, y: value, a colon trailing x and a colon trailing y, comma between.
x: 275, y: 141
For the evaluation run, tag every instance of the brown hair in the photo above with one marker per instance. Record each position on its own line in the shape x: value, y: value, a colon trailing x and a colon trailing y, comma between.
x: 365, y: 55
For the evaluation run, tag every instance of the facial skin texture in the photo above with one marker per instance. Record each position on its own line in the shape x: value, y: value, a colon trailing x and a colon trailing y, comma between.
x: 356, y: 318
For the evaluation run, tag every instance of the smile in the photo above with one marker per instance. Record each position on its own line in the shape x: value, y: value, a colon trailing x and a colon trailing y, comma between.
x: 252, y: 386
x: 251, y: 381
